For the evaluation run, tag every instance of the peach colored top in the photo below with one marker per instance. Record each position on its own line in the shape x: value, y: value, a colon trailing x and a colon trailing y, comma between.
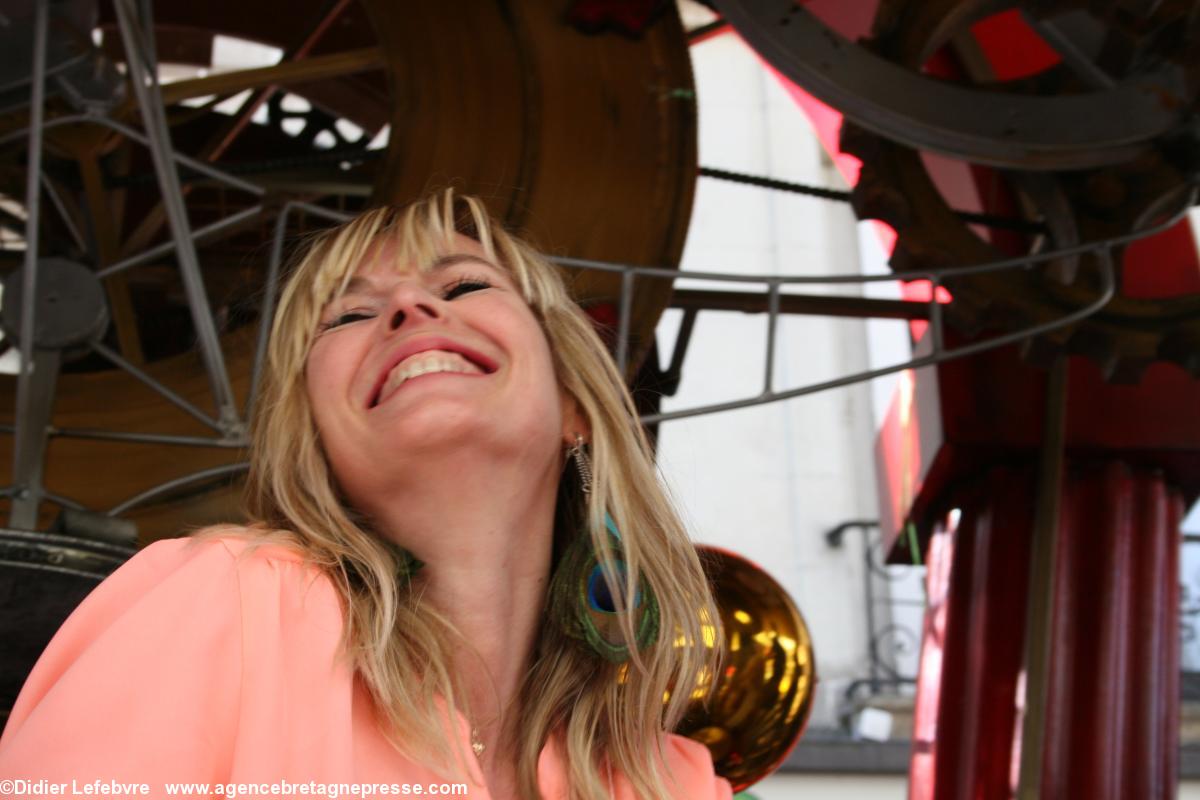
x: 190, y: 664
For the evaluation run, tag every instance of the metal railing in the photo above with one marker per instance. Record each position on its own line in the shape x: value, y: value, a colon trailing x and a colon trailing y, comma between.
x: 893, y: 645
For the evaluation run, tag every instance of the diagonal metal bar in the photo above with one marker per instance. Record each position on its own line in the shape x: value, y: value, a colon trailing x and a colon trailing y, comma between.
x: 148, y: 438
x: 1075, y: 36
x: 267, y: 314
x: 145, y: 378
x: 216, y: 146
x: 241, y: 118
x: 68, y: 220
x: 144, y: 79
x: 206, y: 233
x: 23, y: 512
x: 208, y: 170
x: 175, y: 483
x: 65, y: 502
x: 187, y: 161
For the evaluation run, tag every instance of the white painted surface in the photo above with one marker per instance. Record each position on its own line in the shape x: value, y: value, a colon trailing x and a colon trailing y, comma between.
x: 770, y: 480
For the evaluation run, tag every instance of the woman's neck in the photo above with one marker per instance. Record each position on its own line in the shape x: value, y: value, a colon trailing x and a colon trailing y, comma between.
x: 486, y: 568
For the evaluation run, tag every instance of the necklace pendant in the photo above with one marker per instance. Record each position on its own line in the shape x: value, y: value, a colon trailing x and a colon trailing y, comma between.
x: 476, y: 745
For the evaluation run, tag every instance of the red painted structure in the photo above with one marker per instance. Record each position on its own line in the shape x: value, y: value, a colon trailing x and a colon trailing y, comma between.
x: 959, y: 457
x: 1112, y: 726
x: 960, y: 450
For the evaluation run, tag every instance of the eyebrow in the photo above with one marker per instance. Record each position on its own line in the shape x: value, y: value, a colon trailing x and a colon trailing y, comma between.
x: 361, y: 284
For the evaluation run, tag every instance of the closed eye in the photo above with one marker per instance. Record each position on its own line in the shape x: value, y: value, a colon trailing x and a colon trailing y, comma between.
x: 342, y: 319
x: 464, y: 285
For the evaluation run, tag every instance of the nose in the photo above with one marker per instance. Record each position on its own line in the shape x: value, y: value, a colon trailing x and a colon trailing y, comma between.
x: 412, y: 301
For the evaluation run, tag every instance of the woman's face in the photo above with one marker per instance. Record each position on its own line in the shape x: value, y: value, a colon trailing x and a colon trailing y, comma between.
x: 411, y: 365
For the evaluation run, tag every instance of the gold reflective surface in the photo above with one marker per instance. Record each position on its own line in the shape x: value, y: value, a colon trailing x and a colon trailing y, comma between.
x: 764, y: 692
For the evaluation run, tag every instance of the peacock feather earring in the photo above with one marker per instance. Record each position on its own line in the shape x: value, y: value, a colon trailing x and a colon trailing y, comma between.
x: 582, y: 602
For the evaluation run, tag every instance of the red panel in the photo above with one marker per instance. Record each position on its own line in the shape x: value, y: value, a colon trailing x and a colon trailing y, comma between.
x: 1164, y: 265
x: 929, y: 678
x: 978, y: 410
x: 1012, y: 47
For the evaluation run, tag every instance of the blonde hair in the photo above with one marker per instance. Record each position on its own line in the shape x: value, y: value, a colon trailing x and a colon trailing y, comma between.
x: 611, y: 716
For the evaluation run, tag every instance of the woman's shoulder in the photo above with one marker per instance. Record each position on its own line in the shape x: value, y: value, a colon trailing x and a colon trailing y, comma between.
x: 222, y: 544
x: 183, y: 636
x: 218, y: 577
x: 246, y: 555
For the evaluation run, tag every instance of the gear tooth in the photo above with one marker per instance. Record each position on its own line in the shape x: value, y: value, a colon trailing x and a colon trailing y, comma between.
x: 1009, y: 317
x: 965, y: 317
x: 871, y: 199
x: 1105, y: 350
x: 858, y: 142
x: 875, y: 198
x: 903, y: 259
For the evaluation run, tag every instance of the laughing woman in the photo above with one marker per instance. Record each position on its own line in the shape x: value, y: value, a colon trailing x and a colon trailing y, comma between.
x: 461, y: 565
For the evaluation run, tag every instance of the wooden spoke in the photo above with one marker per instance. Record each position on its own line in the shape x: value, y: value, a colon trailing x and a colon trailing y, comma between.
x: 291, y: 72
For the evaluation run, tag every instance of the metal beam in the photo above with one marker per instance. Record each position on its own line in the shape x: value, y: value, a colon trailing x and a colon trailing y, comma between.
x: 817, y: 305
x: 29, y: 447
x: 144, y: 78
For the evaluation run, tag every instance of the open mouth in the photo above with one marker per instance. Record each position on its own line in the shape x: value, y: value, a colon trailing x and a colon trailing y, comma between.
x: 427, y: 362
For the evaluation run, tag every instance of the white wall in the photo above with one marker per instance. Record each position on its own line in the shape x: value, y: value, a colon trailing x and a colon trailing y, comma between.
x: 768, y: 481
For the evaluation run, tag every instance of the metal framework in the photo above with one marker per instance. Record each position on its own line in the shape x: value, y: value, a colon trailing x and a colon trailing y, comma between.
x: 1001, y: 129
x: 33, y: 429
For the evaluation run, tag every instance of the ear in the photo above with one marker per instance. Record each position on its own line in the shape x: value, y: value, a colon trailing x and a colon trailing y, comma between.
x: 574, y: 420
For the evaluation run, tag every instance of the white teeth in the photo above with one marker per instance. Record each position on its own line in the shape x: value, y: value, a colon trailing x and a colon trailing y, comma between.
x: 422, y: 364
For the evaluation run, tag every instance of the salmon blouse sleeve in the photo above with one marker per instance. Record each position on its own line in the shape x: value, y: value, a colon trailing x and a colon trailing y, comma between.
x: 167, y: 669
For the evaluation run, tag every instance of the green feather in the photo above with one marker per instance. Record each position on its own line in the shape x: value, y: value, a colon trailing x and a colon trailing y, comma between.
x: 581, y: 619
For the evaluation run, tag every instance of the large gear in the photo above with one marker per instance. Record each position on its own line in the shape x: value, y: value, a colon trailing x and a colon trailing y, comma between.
x: 1078, y: 206
x: 1085, y: 182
